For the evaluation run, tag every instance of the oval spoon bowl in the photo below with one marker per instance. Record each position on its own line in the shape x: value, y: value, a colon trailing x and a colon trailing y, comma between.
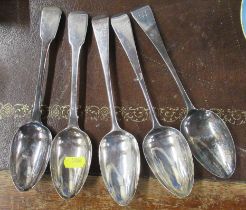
x: 29, y: 154
x: 120, y: 165
x: 210, y: 141
x: 170, y: 159
x: 70, y: 161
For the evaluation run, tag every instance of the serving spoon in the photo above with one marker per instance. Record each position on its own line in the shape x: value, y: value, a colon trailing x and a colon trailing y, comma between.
x: 119, y: 155
x: 208, y: 136
x: 71, y: 148
x: 165, y: 148
x: 30, y: 148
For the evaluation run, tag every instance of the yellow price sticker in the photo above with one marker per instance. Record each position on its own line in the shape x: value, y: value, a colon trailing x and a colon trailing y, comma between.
x: 74, y: 162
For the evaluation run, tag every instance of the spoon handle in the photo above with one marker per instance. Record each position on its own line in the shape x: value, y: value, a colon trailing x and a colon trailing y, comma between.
x: 50, y: 19
x: 100, y: 27
x: 77, y: 28
x: 122, y: 27
x: 145, y: 19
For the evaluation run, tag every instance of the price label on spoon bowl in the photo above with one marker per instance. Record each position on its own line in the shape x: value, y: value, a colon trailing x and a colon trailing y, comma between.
x: 74, y: 162
x: 243, y: 17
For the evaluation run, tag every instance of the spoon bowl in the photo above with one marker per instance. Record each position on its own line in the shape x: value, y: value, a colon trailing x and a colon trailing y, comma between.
x: 210, y: 141
x: 170, y: 159
x: 120, y: 165
x: 29, y: 157
x: 70, y: 161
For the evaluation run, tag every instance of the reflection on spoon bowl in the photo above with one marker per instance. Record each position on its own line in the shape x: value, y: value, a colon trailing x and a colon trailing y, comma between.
x: 210, y: 141
x: 120, y: 165
x: 170, y: 159
x: 29, y: 154
x: 70, y: 161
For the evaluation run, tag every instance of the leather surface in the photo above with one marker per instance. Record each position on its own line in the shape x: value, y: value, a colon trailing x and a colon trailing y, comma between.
x: 204, y: 40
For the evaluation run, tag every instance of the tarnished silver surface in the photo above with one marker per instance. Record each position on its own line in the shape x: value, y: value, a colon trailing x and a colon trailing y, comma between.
x: 165, y: 148
x: 208, y: 136
x: 119, y: 156
x: 30, y: 148
x: 71, y: 148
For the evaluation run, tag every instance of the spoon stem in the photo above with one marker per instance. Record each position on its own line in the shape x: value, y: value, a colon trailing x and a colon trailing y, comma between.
x: 122, y: 27
x: 145, y: 18
x: 101, y: 31
x: 155, y: 122
x: 73, y: 116
x: 163, y: 52
x: 36, y: 112
x: 186, y: 99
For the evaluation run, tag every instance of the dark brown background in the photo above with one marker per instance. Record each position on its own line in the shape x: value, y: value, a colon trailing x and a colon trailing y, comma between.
x: 203, y: 38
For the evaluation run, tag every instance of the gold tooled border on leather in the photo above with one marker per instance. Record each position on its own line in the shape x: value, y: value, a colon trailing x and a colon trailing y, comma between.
x: 134, y: 114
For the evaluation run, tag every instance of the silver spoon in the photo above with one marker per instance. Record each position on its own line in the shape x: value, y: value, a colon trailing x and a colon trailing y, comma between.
x: 30, y: 148
x: 71, y: 148
x: 119, y: 155
x: 165, y: 148
x: 208, y: 136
